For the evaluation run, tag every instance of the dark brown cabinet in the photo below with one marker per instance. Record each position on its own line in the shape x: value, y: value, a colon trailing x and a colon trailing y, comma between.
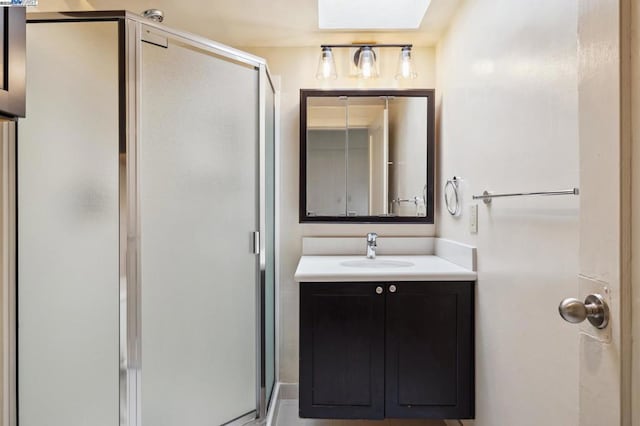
x: 12, y: 61
x: 341, y: 351
x: 394, y: 350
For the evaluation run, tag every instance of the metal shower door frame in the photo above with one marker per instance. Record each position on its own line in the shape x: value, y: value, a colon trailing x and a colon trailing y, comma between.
x: 136, y: 29
x: 265, y: 83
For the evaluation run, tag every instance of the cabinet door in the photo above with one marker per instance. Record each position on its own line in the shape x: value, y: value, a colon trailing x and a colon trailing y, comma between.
x: 429, y: 350
x: 12, y: 61
x: 342, y: 350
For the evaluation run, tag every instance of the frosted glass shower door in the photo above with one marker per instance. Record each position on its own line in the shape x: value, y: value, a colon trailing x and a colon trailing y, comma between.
x: 68, y: 218
x: 198, y: 159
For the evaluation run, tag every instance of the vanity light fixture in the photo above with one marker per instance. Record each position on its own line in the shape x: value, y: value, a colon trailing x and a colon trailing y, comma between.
x: 326, y: 65
x: 406, y: 69
x: 365, y: 60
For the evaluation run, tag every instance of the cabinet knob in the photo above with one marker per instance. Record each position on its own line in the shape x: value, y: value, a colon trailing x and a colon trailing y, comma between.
x: 392, y: 288
x: 379, y: 289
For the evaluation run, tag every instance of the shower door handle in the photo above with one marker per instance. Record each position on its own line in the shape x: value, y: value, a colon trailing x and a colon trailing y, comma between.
x: 256, y: 242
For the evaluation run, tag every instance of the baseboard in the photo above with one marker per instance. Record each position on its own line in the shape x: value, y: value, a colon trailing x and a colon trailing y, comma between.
x: 288, y: 391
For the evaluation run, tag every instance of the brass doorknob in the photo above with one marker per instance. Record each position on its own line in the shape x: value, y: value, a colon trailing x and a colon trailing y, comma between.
x: 594, y: 308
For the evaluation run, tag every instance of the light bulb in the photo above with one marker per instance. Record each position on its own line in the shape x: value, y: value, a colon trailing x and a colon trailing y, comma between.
x: 366, y: 62
x: 405, y: 65
x: 366, y: 70
x: 326, y: 65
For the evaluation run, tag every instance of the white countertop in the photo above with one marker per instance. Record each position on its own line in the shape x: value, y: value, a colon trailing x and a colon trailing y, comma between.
x: 424, y: 268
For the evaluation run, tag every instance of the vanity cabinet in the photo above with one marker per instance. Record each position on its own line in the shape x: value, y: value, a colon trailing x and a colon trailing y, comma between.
x: 342, y: 350
x: 387, y: 350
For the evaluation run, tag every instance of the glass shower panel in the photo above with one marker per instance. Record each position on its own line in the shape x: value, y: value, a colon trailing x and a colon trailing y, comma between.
x: 269, y: 310
x: 68, y: 264
x: 198, y: 209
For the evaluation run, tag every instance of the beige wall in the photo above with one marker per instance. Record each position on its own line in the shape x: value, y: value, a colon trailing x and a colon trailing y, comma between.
x: 508, y: 122
x: 297, y: 68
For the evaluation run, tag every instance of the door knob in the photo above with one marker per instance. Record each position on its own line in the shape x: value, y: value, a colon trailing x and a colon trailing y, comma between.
x: 594, y: 308
x: 379, y: 289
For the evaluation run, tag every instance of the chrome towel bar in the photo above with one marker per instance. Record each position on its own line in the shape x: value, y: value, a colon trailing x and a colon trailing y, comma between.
x: 488, y: 196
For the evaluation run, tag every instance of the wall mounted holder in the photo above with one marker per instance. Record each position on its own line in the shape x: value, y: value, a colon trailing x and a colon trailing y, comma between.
x: 452, y: 202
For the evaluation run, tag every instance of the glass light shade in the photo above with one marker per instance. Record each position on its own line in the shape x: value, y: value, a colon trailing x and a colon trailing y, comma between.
x: 406, y: 68
x: 366, y: 63
x: 326, y: 65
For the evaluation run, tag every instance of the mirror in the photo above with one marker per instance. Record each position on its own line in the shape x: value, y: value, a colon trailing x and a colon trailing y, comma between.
x: 367, y: 156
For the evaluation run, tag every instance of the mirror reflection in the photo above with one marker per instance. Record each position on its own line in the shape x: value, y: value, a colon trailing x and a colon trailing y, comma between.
x: 367, y: 156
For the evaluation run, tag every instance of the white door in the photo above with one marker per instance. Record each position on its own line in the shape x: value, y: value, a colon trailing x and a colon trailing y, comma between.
x: 604, y: 378
x: 635, y: 220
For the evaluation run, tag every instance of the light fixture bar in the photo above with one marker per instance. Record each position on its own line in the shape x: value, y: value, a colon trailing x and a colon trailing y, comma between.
x: 372, y: 45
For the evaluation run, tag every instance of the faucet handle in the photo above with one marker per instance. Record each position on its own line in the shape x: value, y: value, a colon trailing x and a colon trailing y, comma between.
x: 371, y: 237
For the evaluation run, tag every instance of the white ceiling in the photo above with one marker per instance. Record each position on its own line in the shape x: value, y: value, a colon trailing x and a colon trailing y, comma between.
x: 253, y: 23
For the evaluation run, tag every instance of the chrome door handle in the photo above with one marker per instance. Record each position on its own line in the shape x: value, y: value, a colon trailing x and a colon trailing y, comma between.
x: 256, y: 242
x: 594, y: 308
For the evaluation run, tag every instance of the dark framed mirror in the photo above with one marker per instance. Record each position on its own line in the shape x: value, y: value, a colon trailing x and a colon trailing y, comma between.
x: 367, y: 156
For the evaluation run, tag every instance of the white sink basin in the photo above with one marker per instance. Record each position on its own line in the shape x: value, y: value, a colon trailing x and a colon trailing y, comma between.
x: 376, y: 263
x: 357, y: 268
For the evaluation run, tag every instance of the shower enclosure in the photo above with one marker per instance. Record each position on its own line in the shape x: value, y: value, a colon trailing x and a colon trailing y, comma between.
x: 145, y: 227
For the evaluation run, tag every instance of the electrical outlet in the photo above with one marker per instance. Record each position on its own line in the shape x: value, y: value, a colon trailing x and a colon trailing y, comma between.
x: 473, y: 219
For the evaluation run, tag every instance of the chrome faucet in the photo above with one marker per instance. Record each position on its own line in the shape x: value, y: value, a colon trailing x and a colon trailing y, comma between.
x: 371, y: 245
